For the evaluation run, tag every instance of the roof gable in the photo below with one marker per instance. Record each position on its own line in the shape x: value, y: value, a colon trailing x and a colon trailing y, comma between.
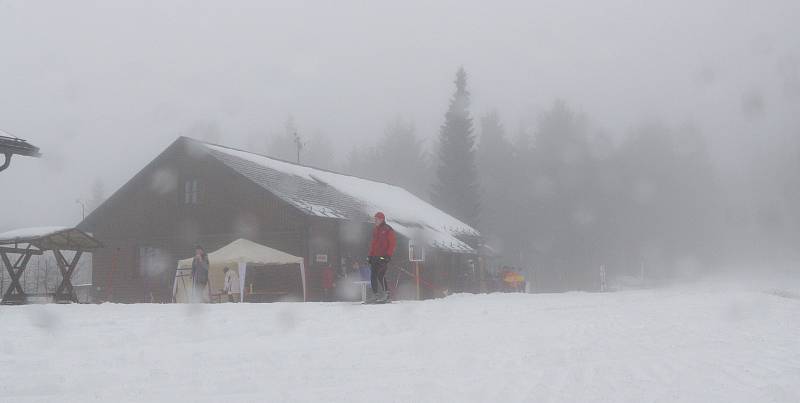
x: 329, y: 194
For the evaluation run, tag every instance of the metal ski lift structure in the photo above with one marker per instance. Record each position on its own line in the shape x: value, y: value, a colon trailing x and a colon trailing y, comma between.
x: 10, y: 145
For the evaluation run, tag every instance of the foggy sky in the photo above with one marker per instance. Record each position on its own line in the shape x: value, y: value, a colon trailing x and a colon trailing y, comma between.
x: 103, y: 87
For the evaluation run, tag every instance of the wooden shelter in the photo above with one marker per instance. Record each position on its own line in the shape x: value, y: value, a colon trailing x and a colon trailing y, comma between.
x: 27, y: 242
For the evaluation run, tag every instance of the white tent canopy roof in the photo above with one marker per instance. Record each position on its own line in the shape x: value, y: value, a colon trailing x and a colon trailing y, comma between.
x: 244, y: 251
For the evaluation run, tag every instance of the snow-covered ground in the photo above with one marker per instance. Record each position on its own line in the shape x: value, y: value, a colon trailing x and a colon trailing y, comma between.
x: 679, y: 344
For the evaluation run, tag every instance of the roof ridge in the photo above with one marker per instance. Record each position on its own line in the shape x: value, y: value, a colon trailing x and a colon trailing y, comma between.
x: 455, y: 227
x: 292, y: 163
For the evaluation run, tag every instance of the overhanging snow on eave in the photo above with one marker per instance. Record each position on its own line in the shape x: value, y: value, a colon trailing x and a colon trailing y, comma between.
x: 432, y: 238
x: 454, y: 248
x: 320, y: 211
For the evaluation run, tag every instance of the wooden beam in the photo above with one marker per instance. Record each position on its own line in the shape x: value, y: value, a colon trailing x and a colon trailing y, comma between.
x: 65, y: 289
x: 15, y: 293
x: 20, y: 251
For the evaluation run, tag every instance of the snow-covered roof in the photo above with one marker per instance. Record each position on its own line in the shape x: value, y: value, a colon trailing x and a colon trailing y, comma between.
x: 329, y: 194
x: 44, y: 238
x: 32, y: 232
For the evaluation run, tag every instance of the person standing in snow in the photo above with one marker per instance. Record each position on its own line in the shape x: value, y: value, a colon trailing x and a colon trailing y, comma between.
x: 231, y: 287
x: 381, y: 250
x: 363, y: 271
x: 328, y: 283
x: 200, y: 292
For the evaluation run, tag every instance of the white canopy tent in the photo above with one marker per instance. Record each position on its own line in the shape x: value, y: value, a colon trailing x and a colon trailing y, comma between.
x: 236, y: 256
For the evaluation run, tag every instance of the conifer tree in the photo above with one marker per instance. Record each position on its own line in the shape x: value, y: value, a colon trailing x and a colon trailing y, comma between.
x: 456, y: 189
x: 398, y: 158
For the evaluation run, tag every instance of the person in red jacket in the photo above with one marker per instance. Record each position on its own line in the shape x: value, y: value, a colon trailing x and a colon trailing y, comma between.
x: 381, y: 250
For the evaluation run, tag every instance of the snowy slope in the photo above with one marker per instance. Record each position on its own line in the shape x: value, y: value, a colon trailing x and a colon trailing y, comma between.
x: 655, y: 346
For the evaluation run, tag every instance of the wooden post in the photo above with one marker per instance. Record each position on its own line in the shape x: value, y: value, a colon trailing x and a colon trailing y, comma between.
x: 46, y: 270
x: 482, y: 268
x: 110, y: 277
x: 416, y: 275
x: 15, y: 292
x: 602, y: 278
x: 641, y: 273
x: 67, y: 268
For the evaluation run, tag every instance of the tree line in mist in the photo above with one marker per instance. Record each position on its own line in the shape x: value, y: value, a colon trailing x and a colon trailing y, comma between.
x: 562, y: 197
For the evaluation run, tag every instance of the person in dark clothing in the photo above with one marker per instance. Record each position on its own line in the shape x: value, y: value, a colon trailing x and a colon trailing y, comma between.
x: 380, y: 253
x: 200, y: 291
x: 363, y: 270
x: 328, y: 283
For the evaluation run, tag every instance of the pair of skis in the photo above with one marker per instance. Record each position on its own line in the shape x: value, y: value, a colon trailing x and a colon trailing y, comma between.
x: 375, y: 301
x: 388, y: 301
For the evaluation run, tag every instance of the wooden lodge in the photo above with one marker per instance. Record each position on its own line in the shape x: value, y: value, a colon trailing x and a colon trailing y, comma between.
x: 200, y: 193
